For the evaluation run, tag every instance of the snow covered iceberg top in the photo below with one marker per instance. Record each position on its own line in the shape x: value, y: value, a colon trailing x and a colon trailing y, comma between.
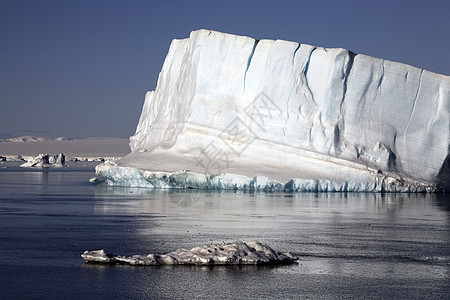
x: 284, y: 110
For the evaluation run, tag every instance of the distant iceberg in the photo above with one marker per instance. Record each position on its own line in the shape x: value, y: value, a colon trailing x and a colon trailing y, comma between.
x: 46, y: 161
x: 232, y: 112
x: 235, y: 253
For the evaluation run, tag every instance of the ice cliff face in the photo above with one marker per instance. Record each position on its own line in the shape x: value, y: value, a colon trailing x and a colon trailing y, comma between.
x: 233, y: 104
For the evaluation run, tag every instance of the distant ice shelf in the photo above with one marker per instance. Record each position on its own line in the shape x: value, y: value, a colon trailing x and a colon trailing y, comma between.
x: 24, y: 139
x: 238, y: 113
x: 235, y: 253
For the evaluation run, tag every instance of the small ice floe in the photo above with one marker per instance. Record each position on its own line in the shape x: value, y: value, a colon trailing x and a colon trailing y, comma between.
x: 96, y: 179
x: 46, y: 161
x: 235, y: 253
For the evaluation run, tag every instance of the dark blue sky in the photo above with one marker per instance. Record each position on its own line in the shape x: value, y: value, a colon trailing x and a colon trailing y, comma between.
x: 81, y: 68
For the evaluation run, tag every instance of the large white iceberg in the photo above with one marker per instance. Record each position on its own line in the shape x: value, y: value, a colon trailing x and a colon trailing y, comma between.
x: 234, y: 112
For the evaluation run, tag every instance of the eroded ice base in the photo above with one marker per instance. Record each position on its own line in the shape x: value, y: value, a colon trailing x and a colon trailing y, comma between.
x: 358, y: 181
x: 235, y: 253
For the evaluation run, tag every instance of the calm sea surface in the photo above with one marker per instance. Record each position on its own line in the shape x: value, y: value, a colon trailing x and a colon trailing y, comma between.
x: 351, y: 246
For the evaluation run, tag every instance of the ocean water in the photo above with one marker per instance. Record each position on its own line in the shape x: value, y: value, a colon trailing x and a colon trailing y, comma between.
x: 351, y: 245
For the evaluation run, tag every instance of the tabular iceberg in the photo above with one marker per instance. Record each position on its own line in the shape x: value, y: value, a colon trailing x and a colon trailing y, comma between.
x: 234, y: 112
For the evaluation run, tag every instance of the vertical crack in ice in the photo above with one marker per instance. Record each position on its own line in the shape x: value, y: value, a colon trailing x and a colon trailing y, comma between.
x: 414, y: 102
x: 250, y: 60
x: 351, y: 59
x: 305, y: 74
x: 287, y: 113
x: 382, y: 74
x: 346, y: 74
x: 380, y: 82
x: 290, y: 93
x: 295, y: 53
x: 308, y: 89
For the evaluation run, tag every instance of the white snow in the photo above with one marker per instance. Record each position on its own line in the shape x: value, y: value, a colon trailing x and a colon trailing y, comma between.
x: 237, y: 112
x: 235, y: 253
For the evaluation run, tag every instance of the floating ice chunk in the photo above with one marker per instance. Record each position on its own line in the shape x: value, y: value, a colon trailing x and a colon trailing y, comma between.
x: 46, y: 161
x: 235, y: 253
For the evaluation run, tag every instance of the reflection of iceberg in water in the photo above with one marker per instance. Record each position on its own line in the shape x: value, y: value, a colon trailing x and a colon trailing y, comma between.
x: 142, y: 199
x: 184, y: 198
x: 179, y: 197
x: 40, y: 178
